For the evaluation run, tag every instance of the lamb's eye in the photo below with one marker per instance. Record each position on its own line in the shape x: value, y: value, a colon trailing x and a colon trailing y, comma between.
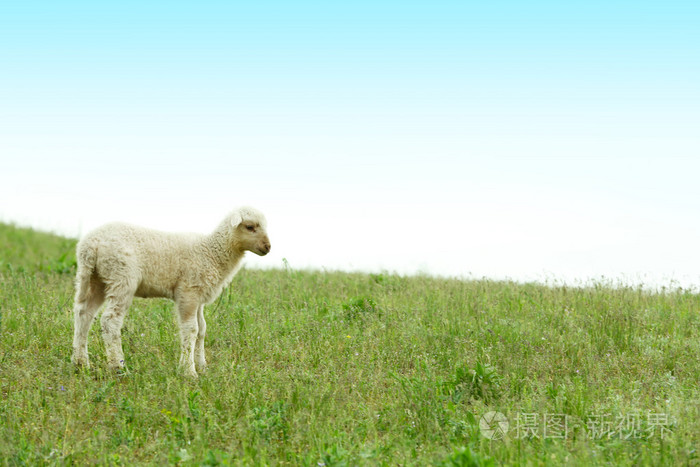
x: 250, y: 227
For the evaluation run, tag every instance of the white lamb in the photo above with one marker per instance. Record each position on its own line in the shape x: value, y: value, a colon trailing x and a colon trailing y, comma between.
x: 119, y: 261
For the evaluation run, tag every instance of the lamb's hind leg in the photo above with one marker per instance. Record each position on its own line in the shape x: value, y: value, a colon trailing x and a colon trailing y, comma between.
x: 112, y: 321
x: 87, y: 302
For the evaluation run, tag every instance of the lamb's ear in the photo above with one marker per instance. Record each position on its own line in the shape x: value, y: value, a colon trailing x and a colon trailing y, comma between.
x: 235, y: 219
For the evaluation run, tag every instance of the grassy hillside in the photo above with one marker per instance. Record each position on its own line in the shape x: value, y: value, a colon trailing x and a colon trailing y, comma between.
x: 311, y: 368
x: 23, y: 249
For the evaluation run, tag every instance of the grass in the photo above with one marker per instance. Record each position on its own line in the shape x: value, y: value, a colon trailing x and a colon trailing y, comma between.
x: 315, y: 368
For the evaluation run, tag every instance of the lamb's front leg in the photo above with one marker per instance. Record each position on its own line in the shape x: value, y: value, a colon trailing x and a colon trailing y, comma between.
x: 187, y: 312
x: 199, y: 357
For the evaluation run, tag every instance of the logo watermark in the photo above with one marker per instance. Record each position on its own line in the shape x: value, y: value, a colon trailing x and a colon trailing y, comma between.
x: 605, y: 426
x: 494, y: 425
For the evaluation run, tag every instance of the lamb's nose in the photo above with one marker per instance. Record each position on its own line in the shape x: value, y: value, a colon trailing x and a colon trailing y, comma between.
x: 268, y: 247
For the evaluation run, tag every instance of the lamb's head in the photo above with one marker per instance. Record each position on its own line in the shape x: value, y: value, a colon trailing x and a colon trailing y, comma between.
x: 250, y: 229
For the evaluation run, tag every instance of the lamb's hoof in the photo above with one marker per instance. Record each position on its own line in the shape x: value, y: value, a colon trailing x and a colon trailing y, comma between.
x: 80, y: 361
x: 116, y: 367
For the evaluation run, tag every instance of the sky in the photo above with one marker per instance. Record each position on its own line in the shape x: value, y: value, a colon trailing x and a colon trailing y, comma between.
x: 548, y: 141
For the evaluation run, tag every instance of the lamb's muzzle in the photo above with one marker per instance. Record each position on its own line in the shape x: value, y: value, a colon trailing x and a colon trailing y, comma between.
x: 265, y: 247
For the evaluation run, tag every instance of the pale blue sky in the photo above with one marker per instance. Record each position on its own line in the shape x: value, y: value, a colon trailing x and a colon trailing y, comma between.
x: 506, y: 139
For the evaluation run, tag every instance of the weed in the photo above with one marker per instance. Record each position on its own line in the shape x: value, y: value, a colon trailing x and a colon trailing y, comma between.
x: 335, y: 456
x: 193, y: 405
x: 482, y: 382
x: 465, y: 457
x: 360, y: 306
x: 268, y: 422
x: 64, y: 264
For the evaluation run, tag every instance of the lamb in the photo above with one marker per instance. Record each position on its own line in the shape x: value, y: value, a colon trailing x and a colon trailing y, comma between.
x: 119, y: 261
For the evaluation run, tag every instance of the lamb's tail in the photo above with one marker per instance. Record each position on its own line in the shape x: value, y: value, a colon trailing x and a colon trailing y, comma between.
x: 87, y: 260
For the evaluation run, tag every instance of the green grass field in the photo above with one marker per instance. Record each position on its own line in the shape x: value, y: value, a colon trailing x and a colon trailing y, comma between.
x: 317, y: 368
